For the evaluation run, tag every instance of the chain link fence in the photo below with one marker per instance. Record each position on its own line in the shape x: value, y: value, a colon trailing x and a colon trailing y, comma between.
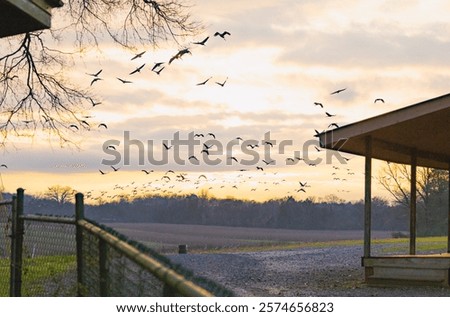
x: 43, y: 255
x: 5, y: 246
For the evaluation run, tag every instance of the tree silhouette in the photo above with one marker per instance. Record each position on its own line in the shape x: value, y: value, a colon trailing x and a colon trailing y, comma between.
x: 60, y: 194
x: 34, y: 92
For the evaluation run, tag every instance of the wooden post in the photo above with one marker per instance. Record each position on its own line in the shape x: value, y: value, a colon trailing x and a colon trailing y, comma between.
x: 79, y: 215
x: 368, y: 197
x: 413, y: 204
x: 448, y: 214
x: 15, y: 287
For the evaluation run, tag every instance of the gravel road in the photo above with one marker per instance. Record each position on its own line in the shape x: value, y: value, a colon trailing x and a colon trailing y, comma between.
x: 305, y: 272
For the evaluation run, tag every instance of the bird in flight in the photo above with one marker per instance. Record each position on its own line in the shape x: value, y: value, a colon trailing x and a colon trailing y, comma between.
x: 202, y: 42
x: 147, y: 172
x: 318, y: 104
x: 95, y: 79
x: 4, y: 165
x: 233, y: 158
x: 158, y: 64
x: 139, y: 55
x: 212, y: 134
x: 200, y: 135
x: 114, y: 168
x: 124, y: 81
x: 303, y: 184
x: 259, y: 168
x: 202, y: 176
x: 192, y: 157
x: 101, y: 172
x: 379, y: 99
x: 338, y: 91
x: 333, y: 125
x: 268, y: 162
x: 94, y: 103
x: 223, y: 83
x: 167, y: 147
x: 317, y: 149
x: 223, y: 34
x: 103, y: 125
x: 301, y: 190
x: 268, y: 143
x: 204, y: 82
x: 159, y: 71
x: 96, y: 74
x: 205, y: 151
x: 179, y: 54
x: 73, y: 126
x: 329, y: 114
x: 137, y: 70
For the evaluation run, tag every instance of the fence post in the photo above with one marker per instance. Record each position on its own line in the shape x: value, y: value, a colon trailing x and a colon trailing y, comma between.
x: 17, y: 231
x: 79, y: 215
x: 103, y: 267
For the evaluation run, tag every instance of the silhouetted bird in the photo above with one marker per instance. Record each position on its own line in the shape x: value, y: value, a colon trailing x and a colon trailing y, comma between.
x: 204, y: 82
x: 96, y: 74
x: 124, y: 81
x: 158, y: 71
x: 101, y: 172
x: 115, y: 169
x: 73, y: 126
x: 167, y: 147
x: 103, y: 125
x: 318, y: 104
x: 222, y: 83
x: 338, y: 91
x: 179, y: 54
x: 330, y: 115
x: 156, y: 66
x: 333, y: 125
x: 223, y: 34
x: 202, y: 42
x: 259, y: 168
x: 137, y: 70
x: 138, y: 55
x: 379, y: 99
x: 4, y: 165
x: 95, y: 79
x: 212, y: 134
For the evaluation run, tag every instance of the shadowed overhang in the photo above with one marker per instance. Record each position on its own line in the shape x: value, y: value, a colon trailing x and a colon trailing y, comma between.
x: 21, y: 16
x: 422, y: 128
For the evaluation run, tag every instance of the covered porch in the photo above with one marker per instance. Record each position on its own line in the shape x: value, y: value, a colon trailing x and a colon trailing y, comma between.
x: 417, y: 135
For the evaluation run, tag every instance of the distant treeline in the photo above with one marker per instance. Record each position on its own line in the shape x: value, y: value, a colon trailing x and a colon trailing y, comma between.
x: 285, y: 213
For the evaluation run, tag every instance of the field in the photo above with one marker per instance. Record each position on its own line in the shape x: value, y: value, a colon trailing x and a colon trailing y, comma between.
x: 166, y: 237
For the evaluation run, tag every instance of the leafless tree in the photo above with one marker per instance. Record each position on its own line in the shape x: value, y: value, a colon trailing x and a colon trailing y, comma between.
x: 431, y: 183
x: 34, y: 91
x: 60, y: 194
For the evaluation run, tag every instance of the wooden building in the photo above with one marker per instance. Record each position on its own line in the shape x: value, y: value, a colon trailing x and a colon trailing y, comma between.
x: 21, y: 16
x: 417, y: 135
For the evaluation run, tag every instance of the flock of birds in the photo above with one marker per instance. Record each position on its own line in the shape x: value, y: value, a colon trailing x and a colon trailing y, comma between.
x: 169, y: 182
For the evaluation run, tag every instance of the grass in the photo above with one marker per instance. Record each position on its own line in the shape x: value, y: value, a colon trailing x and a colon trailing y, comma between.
x: 424, y: 244
x: 40, y: 276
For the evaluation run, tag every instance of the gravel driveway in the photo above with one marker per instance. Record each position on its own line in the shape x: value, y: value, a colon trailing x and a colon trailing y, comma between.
x: 334, y: 271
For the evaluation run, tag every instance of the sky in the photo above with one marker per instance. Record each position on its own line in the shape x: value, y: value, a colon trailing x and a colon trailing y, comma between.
x: 279, y: 59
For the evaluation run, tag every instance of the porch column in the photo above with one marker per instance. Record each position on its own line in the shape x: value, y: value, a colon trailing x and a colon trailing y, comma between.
x: 448, y: 215
x: 413, y: 204
x: 368, y: 197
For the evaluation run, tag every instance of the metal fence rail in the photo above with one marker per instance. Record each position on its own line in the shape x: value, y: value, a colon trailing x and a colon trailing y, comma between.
x: 62, y: 256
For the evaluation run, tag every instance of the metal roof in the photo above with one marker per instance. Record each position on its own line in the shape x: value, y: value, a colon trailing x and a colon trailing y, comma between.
x: 422, y: 128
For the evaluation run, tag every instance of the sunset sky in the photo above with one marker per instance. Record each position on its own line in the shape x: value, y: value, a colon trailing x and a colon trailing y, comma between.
x: 281, y: 58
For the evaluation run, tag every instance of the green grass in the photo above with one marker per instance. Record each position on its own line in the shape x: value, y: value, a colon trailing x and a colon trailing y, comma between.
x: 424, y: 244
x: 38, y: 273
